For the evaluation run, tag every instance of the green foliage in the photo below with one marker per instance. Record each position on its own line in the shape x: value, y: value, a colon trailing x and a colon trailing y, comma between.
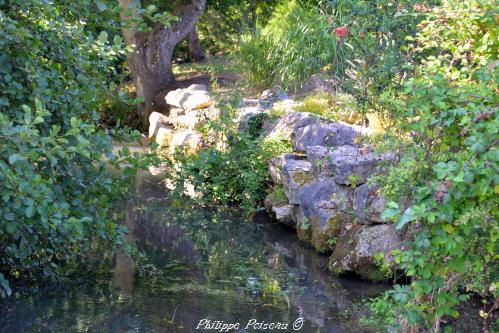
x: 446, y: 185
x: 278, y: 196
x: 382, y: 315
x: 257, y: 64
x: 238, y: 174
x: 296, y: 43
x: 378, y: 56
x: 56, y: 191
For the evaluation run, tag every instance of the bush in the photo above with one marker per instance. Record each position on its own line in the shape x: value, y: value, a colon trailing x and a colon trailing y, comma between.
x: 56, y: 191
x: 236, y: 175
x: 445, y: 186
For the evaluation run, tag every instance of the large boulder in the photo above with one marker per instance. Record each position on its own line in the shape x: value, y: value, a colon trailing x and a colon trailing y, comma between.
x: 353, y: 165
x: 289, y: 124
x: 357, y: 246
x: 325, y: 134
x: 189, y: 140
x: 322, y: 213
x: 368, y: 204
x: 276, y: 165
x: 295, y: 175
x: 194, y: 97
x: 156, y: 121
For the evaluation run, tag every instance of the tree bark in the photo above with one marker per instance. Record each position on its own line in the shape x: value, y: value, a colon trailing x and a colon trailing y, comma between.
x: 150, y: 62
x: 244, y: 19
x: 195, y: 50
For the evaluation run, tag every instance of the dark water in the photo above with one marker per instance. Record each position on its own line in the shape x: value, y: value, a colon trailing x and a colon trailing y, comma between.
x: 200, y: 264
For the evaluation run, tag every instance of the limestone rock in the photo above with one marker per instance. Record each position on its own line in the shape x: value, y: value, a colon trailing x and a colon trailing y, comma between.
x: 156, y: 121
x: 285, y: 214
x: 350, y: 164
x: 289, y: 124
x: 296, y: 174
x: 175, y: 112
x: 186, y: 121
x: 368, y: 204
x: 190, y: 140
x: 276, y: 165
x: 319, y: 157
x: 322, y: 213
x: 164, y: 135
x: 325, y: 134
x: 194, y: 97
x: 357, y: 246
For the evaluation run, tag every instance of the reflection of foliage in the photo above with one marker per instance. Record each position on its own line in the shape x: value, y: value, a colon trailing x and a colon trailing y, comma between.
x: 57, y: 191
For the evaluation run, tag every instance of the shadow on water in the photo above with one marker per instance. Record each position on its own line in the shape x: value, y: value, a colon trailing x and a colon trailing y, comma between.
x: 201, y: 264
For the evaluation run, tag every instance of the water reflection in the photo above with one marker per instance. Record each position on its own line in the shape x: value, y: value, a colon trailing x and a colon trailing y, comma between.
x: 201, y: 264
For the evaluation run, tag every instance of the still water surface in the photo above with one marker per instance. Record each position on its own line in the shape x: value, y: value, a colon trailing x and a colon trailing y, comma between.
x: 201, y: 264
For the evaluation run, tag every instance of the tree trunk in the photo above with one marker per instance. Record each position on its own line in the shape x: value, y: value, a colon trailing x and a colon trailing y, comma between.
x: 194, y: 46
x: 244, y: 19
x: 150, y: 62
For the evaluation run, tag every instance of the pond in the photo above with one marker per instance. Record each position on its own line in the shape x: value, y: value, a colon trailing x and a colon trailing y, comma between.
x: 203, y: 271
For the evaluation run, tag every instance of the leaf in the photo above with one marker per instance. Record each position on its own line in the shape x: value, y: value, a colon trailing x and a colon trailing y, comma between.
x: 448, y: 228
x: 408, y: 216
x: 103, y: 36
x: 14, y: 158
x: 5, y: 285
x: 391, y: 211
x: 29, y: 211
x: 100, y: 5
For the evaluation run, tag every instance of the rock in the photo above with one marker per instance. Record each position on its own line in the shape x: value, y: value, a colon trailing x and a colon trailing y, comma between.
x: 164, y: 135
x: 190, y: 140
x: 186, y: 121
x: 325, y: 134
x: 194, y: 97
x: 315, y: 84
x: 175, y: 112
x: 322, y: 213
x: 319, y: 157
x: 357, y: 246
x: 275, y: 169
x: 276, y: 164
x: 289, y: 124
x: 368, y: 204
x: 295, y: 174
x: 285, y: 214
x: 156, y: 121
x: 349, y: 165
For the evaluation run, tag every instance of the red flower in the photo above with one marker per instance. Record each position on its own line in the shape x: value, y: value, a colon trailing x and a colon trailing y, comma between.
x: 341, y: 31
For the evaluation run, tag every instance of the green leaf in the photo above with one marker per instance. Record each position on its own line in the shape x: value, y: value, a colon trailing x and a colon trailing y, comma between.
x: 14, y: 158
x: 408, y: 216
x: 103, y: 37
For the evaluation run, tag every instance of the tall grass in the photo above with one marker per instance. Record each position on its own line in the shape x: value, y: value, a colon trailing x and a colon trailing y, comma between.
x: 296, y: 43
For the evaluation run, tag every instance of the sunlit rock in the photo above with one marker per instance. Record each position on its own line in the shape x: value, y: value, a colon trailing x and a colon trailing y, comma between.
x: 194, y: 97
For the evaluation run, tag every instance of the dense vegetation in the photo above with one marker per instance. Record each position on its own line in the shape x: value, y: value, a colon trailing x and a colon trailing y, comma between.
x: 55, y: 159
x: 430, y: 67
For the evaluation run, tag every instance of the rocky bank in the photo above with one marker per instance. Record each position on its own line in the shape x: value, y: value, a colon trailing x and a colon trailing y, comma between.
x: 321, y: 189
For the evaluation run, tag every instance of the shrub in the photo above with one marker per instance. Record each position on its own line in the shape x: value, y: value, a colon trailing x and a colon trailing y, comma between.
x: 236, y: 175
x: 445, y: 186
x: 56, y: 193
